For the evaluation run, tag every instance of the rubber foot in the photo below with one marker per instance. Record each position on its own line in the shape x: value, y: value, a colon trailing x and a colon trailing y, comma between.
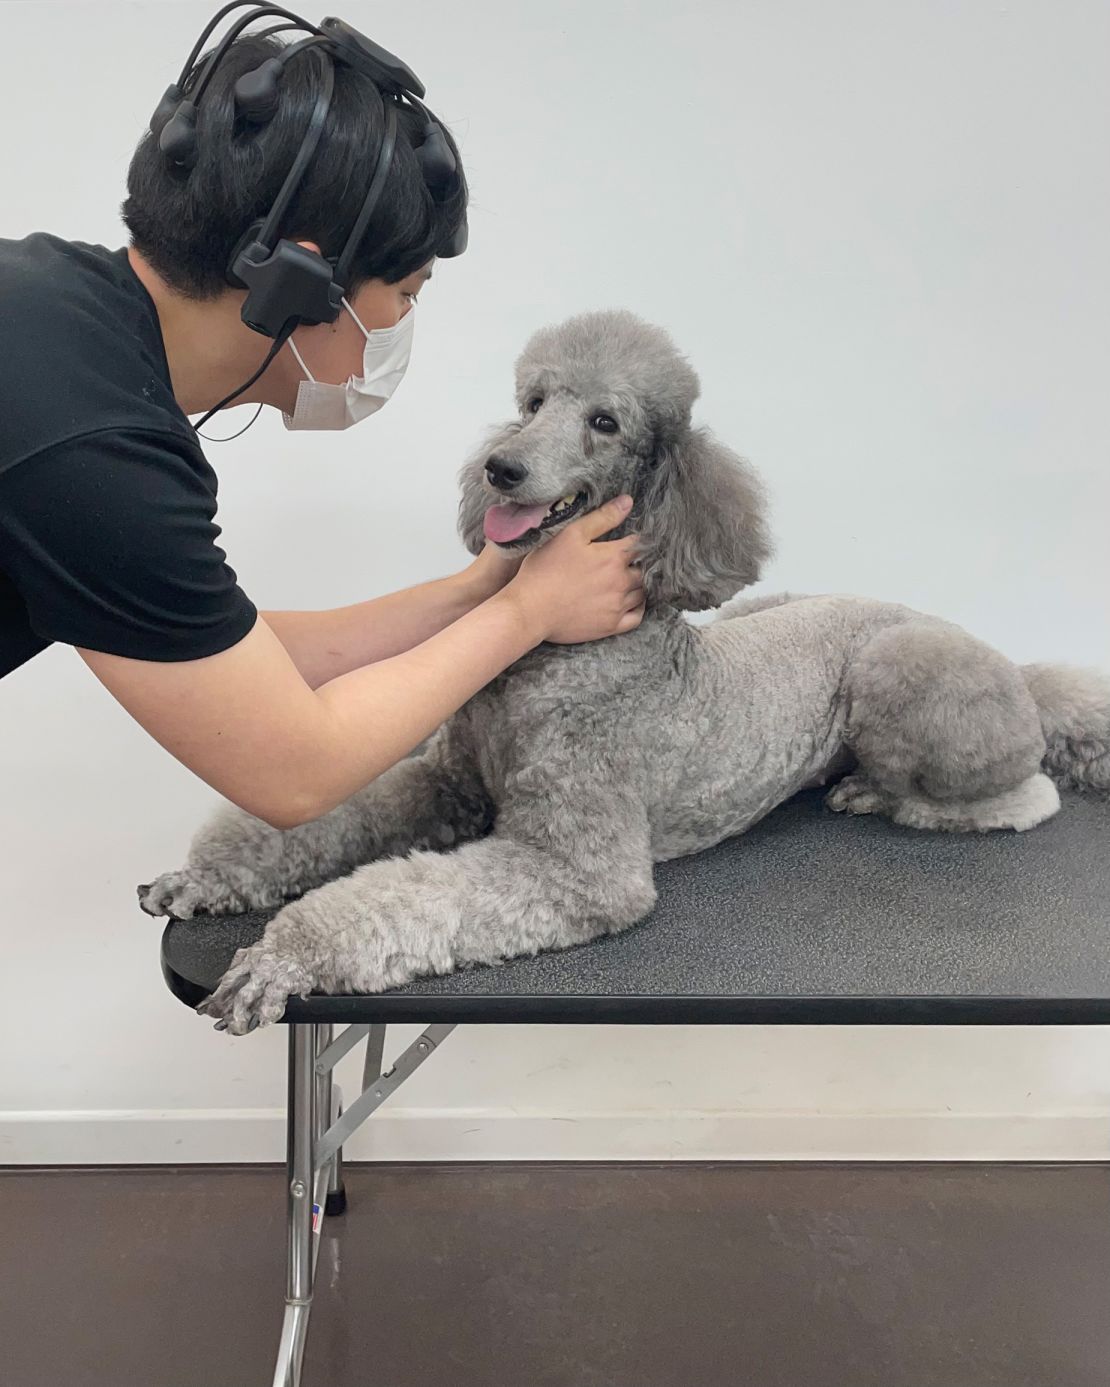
x: 336, y: 1202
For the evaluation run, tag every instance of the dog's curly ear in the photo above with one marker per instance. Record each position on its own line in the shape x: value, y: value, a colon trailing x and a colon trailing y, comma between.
x: 702, y: 522
x: 474, y: 498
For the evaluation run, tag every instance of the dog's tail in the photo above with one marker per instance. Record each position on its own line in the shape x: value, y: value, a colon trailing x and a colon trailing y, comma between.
x: 1074, y: 705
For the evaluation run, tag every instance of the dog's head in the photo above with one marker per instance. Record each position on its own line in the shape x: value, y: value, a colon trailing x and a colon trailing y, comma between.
x: 604, y: 402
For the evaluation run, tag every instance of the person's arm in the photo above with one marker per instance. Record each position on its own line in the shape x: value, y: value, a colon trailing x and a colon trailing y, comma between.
x: 325, y: 644
x: 110, y: 540
x: 248, y: 723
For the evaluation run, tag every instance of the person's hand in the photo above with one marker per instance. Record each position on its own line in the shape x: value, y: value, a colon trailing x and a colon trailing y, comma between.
x: 490, y: 571
x: 577, y: 587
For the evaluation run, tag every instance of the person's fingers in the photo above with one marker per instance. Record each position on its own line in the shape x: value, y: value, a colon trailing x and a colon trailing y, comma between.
x: 626, y: 544
x: 607, y: 517
x: 631, y: 619
x: 628, y: 547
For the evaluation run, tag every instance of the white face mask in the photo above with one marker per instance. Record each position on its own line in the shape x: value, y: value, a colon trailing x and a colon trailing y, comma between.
x: 384, y: 359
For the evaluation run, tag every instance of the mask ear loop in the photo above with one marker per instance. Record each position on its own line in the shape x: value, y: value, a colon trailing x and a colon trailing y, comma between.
x: 355, y: 316
x: 300, y: 361
x: 300, y: 358
x: 365, y: 331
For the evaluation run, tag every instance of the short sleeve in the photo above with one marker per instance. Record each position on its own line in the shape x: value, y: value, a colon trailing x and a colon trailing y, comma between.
x: 111, y: 541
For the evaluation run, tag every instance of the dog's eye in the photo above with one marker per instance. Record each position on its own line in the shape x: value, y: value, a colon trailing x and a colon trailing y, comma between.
x: 533, y: 405
x: 603, y: 423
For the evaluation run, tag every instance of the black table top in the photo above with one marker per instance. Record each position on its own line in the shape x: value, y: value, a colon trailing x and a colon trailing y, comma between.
x: 811, y: 917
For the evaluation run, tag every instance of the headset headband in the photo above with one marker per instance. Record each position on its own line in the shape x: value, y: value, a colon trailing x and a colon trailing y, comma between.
x: 286, y: 283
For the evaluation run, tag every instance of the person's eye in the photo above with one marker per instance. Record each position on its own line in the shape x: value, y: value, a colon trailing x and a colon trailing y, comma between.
x: 603, y: 423
x: 533, y: 405
x: 411, y: 296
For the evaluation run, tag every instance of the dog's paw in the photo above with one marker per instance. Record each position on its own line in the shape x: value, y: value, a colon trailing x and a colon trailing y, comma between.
x: 854, y: 795
x: 254, y: 990
x: 192, y: 891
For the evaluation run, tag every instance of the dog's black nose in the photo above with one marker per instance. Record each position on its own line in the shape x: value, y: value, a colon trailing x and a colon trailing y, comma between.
x: 504, y: 475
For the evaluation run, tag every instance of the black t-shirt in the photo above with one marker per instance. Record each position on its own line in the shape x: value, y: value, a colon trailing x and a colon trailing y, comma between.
x: 107, y: 504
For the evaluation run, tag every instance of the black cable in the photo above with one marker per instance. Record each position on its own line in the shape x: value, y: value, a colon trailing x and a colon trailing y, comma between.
x: 241, y: 24
x: 209, y: 439
x: 310, y: 140
x: 275, y: 29
x: 206, y: 33
x: 373, y: 195
x: 279, y: 342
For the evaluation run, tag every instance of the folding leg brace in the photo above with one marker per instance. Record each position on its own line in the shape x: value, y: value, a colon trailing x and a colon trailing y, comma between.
x: 317, y: 1128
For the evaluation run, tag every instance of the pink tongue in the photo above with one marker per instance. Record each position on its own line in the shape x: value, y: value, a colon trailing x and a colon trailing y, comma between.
x: 508, y: 521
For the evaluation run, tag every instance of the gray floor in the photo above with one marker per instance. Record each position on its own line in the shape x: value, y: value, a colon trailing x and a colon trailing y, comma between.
x: 568, y: 1276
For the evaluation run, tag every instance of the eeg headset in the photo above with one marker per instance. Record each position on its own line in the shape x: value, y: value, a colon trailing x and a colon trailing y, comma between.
x: 288, y: 285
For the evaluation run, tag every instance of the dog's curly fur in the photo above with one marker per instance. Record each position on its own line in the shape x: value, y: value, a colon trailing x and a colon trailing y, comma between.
x: 534, y: 816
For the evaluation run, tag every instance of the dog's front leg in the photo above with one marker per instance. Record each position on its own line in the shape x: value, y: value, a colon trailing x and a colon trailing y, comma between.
x: 392, y: 921
x: 238, y: 863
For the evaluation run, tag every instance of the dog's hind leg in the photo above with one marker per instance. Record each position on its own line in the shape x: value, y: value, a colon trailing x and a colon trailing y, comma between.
x: 945, y: 732
x: 238, y: 863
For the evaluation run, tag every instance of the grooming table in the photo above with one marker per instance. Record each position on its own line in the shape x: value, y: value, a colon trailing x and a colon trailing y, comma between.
x: 811, y: 917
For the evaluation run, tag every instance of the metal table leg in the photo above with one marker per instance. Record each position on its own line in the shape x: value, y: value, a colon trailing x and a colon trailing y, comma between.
x: 328, y: 1108
x: 317, y: 1128
x: 375, y: 1044
x: 301, y: 1127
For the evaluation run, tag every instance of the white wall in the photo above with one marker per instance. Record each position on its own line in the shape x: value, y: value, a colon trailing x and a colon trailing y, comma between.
x: 880, y: 231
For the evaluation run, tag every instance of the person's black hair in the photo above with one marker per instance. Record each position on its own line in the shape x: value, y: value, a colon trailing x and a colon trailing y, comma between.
x: 187, y: 225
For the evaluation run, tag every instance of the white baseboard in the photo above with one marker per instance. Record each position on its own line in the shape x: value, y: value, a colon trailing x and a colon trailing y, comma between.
x: 197, y: 1136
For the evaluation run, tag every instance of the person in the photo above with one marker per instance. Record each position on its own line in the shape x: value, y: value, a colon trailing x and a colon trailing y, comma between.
x: 108, y: 539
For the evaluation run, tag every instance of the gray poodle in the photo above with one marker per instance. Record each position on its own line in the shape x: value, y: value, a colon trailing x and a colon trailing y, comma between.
x: 532, y: 819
